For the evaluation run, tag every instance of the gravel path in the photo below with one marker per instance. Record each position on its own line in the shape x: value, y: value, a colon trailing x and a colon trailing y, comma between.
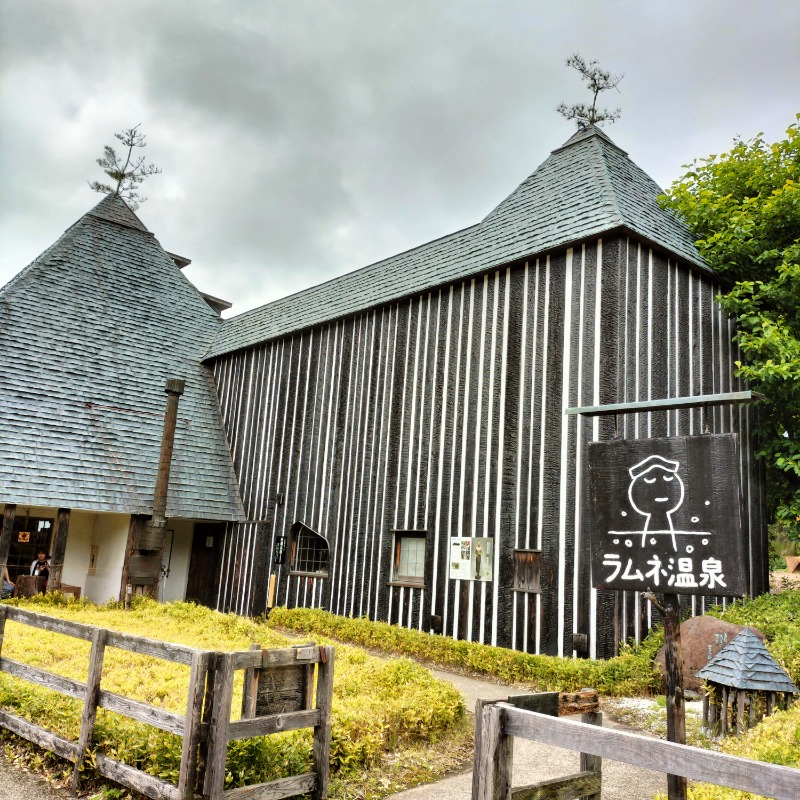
x: 534, y: 761
x: 16, y: 783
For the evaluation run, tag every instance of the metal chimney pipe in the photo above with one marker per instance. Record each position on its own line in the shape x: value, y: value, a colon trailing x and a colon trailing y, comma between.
x: 153, y: 535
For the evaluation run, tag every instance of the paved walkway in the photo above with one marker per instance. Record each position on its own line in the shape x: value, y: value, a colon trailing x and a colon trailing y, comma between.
x: 534, y: 761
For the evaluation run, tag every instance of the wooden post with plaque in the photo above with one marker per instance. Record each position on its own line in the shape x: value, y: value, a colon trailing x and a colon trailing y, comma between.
x: 279, y: 695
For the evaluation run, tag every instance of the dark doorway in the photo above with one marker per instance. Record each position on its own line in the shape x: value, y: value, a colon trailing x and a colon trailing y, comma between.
x: 31, y: 534
x: 202, y: 584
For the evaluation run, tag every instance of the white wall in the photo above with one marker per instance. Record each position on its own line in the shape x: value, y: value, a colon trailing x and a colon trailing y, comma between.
x: 110, y: 534
x: 79, y: 547
x: 174, y: 587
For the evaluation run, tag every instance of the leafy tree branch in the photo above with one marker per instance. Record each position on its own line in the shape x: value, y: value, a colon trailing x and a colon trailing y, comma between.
x: 743, y: 207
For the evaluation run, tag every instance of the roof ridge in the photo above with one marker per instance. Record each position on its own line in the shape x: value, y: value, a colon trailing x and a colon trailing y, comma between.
x: 593, y: 189
x: 607, y: 177
x: 18, y: 281
x: 370, y: 266
x: 114, y: 209
x: 583, y: 134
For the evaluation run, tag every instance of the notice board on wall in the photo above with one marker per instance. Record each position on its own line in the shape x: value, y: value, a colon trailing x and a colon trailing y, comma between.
x: 471, y: 558
x: 666, y: 515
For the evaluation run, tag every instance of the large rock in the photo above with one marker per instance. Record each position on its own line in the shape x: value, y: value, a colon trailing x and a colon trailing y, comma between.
x: 701, y: 639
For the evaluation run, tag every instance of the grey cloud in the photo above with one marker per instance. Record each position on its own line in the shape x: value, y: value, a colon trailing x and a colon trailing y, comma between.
x: 303, y: 139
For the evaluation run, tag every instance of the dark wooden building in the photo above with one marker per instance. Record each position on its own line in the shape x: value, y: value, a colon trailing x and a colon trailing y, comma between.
x: 375, y: 418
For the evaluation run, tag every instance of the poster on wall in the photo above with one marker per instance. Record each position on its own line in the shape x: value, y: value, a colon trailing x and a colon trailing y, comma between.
x: 471, y: 559
x: 666, y: 515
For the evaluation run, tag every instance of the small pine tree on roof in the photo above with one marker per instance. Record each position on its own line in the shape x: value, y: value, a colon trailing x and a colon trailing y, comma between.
x: 126, y: 174
x: 598, y: 80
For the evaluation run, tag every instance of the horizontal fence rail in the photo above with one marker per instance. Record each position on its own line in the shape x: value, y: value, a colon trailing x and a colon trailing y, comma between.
x: 206, y: 728
x: 501, y: 722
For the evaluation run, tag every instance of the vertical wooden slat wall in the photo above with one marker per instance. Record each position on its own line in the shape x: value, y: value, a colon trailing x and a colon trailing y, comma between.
x: 444, y: 413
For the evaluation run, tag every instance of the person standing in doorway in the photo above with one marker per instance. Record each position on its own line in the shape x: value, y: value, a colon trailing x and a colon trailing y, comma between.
x: 41, y: 567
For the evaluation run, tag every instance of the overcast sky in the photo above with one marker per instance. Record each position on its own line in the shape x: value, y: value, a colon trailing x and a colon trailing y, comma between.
x: 300, y: 140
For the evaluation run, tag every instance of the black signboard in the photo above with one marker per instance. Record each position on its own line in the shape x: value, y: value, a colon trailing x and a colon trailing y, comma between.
x: 666, y: 515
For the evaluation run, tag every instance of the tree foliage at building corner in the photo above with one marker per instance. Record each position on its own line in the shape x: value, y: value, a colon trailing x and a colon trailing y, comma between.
x: 126, y: 171
x: 743, y: 208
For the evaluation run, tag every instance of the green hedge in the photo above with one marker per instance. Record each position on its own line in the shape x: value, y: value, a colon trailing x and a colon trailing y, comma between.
x: 777, y: 616
x: 630, y: 673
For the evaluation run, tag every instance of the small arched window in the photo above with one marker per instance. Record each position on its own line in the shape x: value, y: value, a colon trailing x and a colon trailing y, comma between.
x: 309, y: 553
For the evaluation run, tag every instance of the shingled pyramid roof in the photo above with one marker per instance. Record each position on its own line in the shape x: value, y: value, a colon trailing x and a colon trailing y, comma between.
x: 91, y: 330
x: 745, y: 664
x: 585, y: 188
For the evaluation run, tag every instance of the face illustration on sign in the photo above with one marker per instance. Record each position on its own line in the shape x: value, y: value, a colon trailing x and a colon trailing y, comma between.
x: 657, y: 515
x: 655, y: 492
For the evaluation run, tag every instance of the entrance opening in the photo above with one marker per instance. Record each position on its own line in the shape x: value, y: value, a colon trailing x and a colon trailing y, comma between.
x: 31, y: 534
x: 202, y: 584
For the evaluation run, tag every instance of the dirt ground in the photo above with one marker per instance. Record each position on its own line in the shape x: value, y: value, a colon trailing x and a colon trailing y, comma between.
x: 781, y: 580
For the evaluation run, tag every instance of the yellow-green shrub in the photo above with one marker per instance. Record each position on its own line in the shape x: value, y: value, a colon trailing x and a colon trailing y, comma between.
x: 775, y: 740
x: 377, y: 704
x: 630, y: 673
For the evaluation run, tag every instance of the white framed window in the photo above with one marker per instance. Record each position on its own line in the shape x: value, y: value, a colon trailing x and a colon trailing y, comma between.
x: 408, y: 558
x: 309, y: 552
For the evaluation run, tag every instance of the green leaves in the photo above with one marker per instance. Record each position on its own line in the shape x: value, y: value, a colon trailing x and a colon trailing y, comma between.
x: 743, y: 207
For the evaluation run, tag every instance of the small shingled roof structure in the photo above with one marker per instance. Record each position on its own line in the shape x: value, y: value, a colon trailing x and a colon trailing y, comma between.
x: 743, y: 683
x: 586, y: 187
x: 91, y: 330
x: 746, y: 664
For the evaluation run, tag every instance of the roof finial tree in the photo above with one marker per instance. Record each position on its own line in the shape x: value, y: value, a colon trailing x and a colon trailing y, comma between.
x: 598, y: 80
x: 125, y: 171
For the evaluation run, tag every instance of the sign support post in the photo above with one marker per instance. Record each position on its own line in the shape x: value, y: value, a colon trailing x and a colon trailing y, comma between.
x: 656, y: 531
x: 673, y: 661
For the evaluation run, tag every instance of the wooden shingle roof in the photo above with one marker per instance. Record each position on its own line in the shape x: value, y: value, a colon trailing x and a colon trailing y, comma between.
x: 744, y: 663
x: 90, y: 332
x: 584, y: 189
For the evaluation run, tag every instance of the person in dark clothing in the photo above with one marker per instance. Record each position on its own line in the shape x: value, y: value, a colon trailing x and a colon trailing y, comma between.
x: 41, y: 567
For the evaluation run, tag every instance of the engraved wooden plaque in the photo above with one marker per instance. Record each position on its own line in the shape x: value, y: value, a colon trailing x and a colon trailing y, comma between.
x: 282, y: 690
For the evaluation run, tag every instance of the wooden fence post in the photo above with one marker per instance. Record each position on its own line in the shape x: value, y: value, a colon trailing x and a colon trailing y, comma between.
x: 494, y: 779
x: 90, y: 701
x: 208, y: 708
x: 673, y: 665
x: 250, y: 689
x: 193, y: 725
x: 218, y: 731
x: 322, y: 732
x: 3, y: 613
x: 478, y: 745
x: 590, y: 763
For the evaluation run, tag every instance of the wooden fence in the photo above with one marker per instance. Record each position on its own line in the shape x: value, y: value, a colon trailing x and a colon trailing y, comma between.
x: 496, y: 726
x: 585, y: 783
x: 206, y: 727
